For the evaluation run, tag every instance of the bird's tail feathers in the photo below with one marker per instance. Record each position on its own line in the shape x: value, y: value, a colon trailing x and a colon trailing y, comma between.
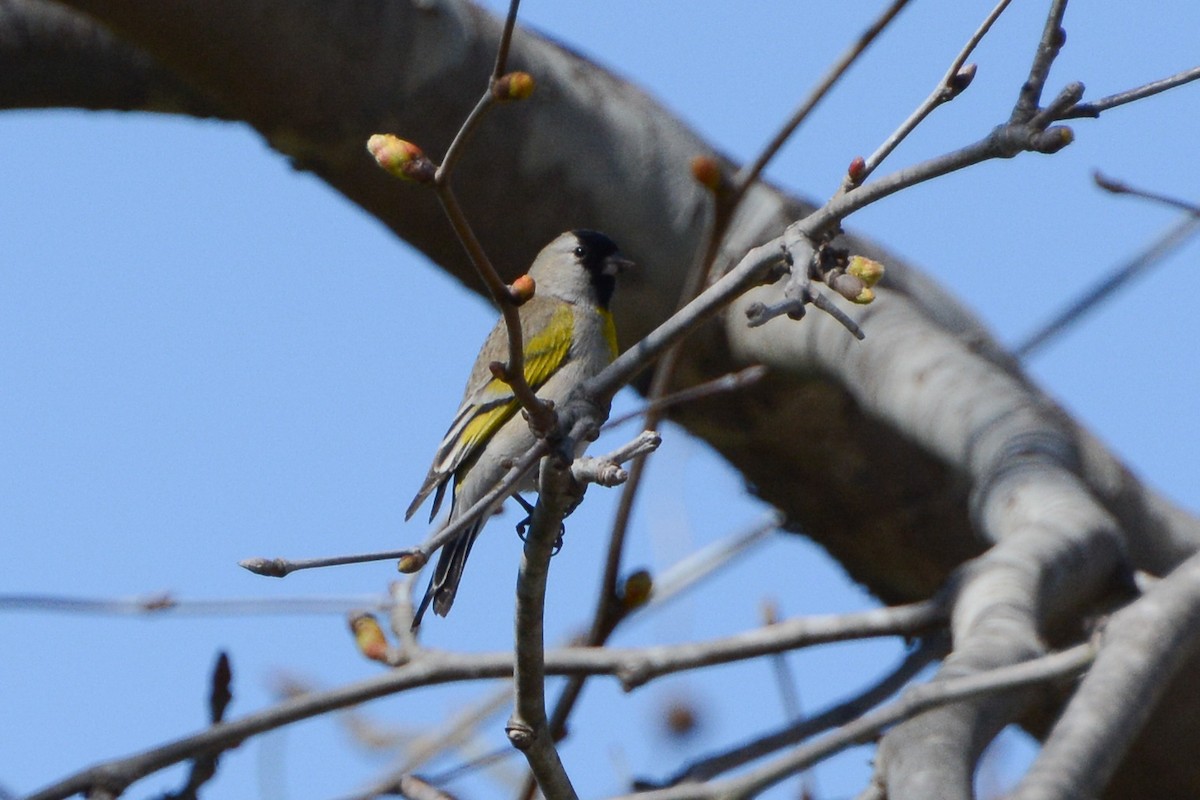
x: 443, y: 586
x: 432, y: 482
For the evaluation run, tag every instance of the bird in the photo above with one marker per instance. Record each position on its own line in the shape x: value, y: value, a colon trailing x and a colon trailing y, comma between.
x: 568, y: 336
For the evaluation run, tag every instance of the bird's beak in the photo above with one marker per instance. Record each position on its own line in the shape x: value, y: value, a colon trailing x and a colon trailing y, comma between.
x: 615, y: 265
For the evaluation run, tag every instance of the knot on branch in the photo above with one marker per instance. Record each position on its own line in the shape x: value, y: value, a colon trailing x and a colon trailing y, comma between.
x: 520, y: 734
x: 850, y: 276
x: 606, y: 470
x: 581, y: 417
x: 633, y: 674
x: 599, y: 471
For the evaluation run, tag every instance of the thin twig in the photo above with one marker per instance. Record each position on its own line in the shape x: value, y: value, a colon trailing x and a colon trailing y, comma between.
x: 631, y: 665
x: 798, y: 289
x: 1053, y: 37
x: 639, y: 665
x: 748, y: 174
x: 461, y: 137
x: 680, y: 577
x: 951, y: 85
x: 609, y: 610
x: 729, y: 382
x: 841, y: 714
x: 281, y: 567
x: 913, y: 701
x: 785, y: 680
x: 674, y: 581
x: 428, y: 746
x: 541, y: 417
x: 1162, y: 247
x: 1120, y: 187
x: 1094, y: 108
x: 510, y: 23
x: 166, y: 604
x: 789, y: 694
x: 606, y: 470
x: 699, y: 565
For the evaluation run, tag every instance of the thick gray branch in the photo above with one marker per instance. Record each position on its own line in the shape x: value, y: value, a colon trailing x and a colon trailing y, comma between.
x: 1143, y: 647
x: 52, y: 57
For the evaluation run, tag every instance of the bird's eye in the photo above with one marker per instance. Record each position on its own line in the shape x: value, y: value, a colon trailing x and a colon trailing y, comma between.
x: 580, y: 251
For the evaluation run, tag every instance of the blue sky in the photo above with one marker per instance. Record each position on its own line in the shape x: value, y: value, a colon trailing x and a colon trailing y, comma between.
x: 208, y: 356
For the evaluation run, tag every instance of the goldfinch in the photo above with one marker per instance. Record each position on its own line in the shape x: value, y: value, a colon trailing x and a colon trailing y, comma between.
x: 568, y: 336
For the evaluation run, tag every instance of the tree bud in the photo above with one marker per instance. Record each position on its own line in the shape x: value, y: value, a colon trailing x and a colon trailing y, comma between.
x: 400, y: 158
x: 513, y: 86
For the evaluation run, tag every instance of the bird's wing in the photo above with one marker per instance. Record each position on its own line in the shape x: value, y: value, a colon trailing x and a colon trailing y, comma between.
x: 489, y: 401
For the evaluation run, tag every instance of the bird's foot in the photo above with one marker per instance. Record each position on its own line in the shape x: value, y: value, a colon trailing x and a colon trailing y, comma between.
x: 523, y: 525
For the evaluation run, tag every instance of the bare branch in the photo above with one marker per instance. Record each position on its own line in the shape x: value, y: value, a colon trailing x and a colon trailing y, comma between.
x: 956, y: 79
x: 168, y: 604
x: 1120, y: 187
x: 730, y: 382
x: 680, y: 577
x: 437, y: 740
x: 281, y: 567
x: 510, y: 22
x: 1053, y: 38
x: 639, y: 665
x: 1165, y: 245
x: 405, y: 160
x: 605, y: 470
x: 913, y: 701
x: 527, y: 728
x: 749, y: 173
x: 1140, y: 651
x: 841, y: 714
x: 1095, y: 108
x: 55, y: 57
x: 631, y: 665
x: 686, y: 573
x: 541, y: 417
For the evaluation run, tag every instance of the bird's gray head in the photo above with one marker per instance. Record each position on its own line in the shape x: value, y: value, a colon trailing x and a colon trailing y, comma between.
x: 579, y: 266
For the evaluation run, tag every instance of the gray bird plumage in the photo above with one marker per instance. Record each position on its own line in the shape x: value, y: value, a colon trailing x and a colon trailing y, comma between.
x: 568, y: 337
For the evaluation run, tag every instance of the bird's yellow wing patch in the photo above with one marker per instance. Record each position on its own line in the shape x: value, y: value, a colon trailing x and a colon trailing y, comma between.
x: 482, y: 426
x: 610, y: 331
x: 544, y: 354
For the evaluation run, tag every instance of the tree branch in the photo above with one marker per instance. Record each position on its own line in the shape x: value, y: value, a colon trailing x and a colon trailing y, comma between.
x: 843, y: 713
x: 1140, y: 650
x: 527, y: 729
x: 913, y: 701
x: 633, y: 666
